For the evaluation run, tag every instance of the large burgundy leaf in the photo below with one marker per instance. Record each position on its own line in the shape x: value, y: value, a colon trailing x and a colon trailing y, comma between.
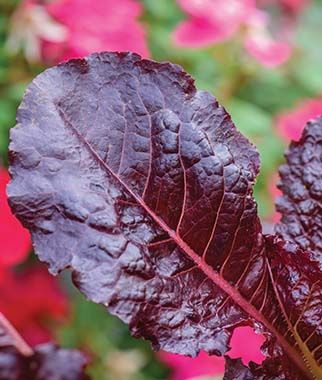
x: 141, y: 185
x: 301, y: 184
x: 44, y: 362
x: 298, y: 284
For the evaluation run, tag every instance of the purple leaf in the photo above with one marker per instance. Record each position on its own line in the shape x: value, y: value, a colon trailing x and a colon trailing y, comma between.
x: 298, y: 284
x: 295, y: 274
x: 279, y: 368
x: 52, y: 362
x: 301, y: 184
x: 236, y: 370
x: 297, y: 281
x: 142, y: 185
x: 18, y: 361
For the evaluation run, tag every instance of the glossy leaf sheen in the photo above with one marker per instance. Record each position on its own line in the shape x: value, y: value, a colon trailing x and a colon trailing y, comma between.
x: 301, y: 184
x: 142, y: 185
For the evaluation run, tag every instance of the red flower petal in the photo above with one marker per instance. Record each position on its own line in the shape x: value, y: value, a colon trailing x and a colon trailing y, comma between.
x: 223, y: 12
x: 290, y: 124
x: 14, y: 239
x: 29, y: 300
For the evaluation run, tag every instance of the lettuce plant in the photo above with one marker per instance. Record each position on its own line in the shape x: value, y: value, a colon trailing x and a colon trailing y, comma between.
x: 142, y: 186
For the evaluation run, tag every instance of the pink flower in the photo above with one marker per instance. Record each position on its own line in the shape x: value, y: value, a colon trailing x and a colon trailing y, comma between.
x: 289, y: 124
x: 268, y: 52
x: 245, y: 344
x: 260, y: 44
x: 94, y: 26
x: 213, y: 21
x: 14, y: 239
x: 63, y: 29
x: 31, y: 25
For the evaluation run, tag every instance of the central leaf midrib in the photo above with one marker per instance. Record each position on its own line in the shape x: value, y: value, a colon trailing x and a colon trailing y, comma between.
x: 207, y: 270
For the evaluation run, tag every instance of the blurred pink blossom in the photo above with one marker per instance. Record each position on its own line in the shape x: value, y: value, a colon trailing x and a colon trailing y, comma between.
x: 15, y: 243
x: 260, y: 44
x: 289, y: 124
x: 268, y: 52
x: 63, y: 29
x: 245, y: 344
x: 213, y: 21
x: 31, y: 25
x: 95, y: 26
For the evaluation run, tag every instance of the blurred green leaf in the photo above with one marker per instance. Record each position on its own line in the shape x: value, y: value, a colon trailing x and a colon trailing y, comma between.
x: 307, y: 65
x: 7, y: 118
x: 165, y: 10
x: 250, y: 119
x: 272, y: 90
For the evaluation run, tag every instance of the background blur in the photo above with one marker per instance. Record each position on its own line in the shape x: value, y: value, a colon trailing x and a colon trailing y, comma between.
x: 263, y: 61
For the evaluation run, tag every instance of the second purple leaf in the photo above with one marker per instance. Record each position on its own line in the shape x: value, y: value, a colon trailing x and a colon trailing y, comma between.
x: 301, y: 184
